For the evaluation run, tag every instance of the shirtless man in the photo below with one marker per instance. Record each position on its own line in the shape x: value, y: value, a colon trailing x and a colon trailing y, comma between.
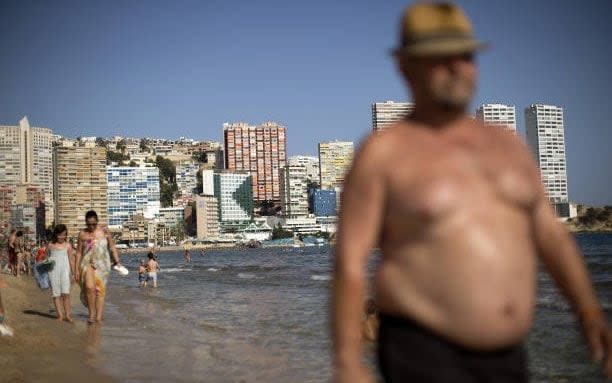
x: 460, y: 215
x: 153, y: 268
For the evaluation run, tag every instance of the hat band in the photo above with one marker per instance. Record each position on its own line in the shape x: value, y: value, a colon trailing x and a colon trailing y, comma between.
x: 433, y: 36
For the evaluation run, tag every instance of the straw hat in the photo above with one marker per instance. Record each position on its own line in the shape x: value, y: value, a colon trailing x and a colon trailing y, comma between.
x: 436, y: 29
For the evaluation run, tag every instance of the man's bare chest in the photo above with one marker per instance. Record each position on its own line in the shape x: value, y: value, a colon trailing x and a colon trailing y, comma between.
x: 438, y: 181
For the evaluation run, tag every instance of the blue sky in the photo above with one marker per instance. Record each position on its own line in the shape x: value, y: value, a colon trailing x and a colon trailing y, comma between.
x: 182, y: 68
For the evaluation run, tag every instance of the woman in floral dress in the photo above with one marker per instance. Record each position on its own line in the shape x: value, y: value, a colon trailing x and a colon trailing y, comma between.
x: 93, y: 265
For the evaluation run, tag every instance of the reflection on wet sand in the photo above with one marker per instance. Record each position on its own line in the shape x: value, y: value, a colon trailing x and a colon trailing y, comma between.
x: 94, y: 338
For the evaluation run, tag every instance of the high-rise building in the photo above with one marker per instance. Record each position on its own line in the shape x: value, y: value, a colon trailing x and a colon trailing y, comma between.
x: 323, y: 202
x: 335, y: 158
x: 80, y: 185
x: 294, y: 191
x: 7, y: 197
x: 31, y: 199
x: 261, y: 151
x: 186, y: 177
x: 26, y: 158
x: 546, y: 137
x: 234, y: 194
x: 132, y: 190
x: 24, y: 218
x: 208, y: 182
x: 207, y: 216
x: 311, y: 164
x: 385, y: 114
x: 498, y: 115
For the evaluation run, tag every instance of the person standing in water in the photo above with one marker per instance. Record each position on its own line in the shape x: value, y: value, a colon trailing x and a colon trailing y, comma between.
x: 61, y: 252
x: 153, y: 268
x: 142, y: 273
x: 94, y: 247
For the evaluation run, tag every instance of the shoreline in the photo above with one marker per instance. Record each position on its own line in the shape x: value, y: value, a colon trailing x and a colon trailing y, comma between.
x: 42, y: 349
x: 575, y: 230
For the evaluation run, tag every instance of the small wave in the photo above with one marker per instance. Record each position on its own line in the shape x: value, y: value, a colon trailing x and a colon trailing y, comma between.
x: 212, y: 269
x: 173, y: 270
x: 246, y: 276
x: 321, y: 277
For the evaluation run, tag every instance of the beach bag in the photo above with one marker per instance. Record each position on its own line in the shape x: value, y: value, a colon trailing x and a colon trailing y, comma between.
x: 41, y: 273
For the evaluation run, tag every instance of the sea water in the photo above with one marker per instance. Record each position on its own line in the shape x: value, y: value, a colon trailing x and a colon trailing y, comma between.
x: 262, y: 315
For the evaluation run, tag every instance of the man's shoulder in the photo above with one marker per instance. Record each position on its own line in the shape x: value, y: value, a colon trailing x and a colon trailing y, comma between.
x: 384, y: 143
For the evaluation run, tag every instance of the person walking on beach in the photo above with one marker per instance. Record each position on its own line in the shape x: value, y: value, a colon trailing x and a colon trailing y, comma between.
x: 12, y: 255
x: 19, y: 248
x: 461, y: 217
x: 142, y: 273
x: 93, y: 265
x: 61, y: 252
x: 28, y: 256
x: 153, y: 268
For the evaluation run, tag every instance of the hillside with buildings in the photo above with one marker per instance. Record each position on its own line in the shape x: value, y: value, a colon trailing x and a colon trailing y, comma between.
x: 591, y: 219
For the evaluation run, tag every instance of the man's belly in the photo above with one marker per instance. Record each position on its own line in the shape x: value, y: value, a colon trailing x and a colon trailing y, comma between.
x: 478, y: 294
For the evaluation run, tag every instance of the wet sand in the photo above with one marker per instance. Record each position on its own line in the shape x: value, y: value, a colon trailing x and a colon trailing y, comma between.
x: 43, y: 349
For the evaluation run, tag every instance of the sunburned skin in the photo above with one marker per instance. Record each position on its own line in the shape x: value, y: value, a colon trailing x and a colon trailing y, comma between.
x: 458, y: 253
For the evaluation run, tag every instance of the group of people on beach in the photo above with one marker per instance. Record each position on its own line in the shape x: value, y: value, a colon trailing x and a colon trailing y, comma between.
x: 19, y: 253
x: 88, y: 266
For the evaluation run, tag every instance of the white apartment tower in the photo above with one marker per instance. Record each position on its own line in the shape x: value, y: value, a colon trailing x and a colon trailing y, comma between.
x: 386, y: 113
x: 294, y: 192
x: 26, y: 158
x: 545, y: 135
x: 498, y: 115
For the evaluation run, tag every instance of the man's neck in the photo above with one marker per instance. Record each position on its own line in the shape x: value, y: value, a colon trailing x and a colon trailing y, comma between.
x: 437, y: 117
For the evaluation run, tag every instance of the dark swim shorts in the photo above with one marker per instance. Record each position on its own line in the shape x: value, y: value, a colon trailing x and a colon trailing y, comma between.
x: 409, y: 352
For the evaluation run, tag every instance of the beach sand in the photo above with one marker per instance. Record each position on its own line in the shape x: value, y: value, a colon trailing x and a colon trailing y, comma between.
x: 42, y: 349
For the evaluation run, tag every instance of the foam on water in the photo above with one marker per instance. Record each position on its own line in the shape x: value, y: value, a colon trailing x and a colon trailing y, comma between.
x: 246, y: 276
x: 321, y: 277
x: 173, y: 270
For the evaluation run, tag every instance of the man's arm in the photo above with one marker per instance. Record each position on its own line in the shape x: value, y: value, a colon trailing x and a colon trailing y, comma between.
x: 358, y: 232
x: 561, y: 257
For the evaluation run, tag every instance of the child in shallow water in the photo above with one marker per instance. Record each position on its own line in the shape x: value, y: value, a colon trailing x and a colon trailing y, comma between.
x: 142, y: 273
